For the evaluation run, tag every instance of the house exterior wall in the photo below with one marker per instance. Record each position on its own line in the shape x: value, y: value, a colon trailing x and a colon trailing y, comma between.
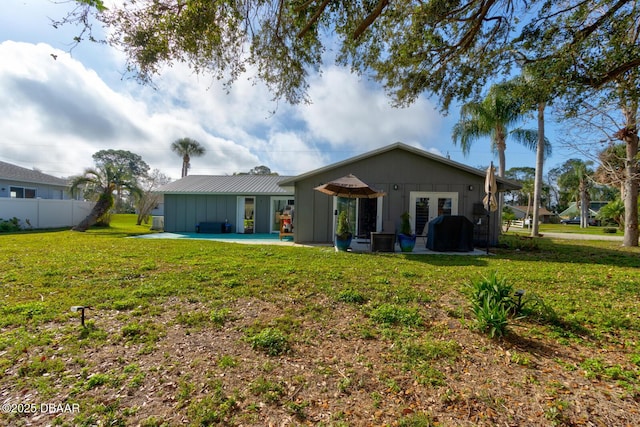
x: 43, y: 191
x: 406, y: 170
x: 182, y: 212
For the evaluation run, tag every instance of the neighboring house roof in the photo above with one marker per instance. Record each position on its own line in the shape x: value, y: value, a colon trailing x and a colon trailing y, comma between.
x: 227, y: 184
x: 573, y: 209
x: 16, y: 173
x: 505, y: 183
x: 523, y: 209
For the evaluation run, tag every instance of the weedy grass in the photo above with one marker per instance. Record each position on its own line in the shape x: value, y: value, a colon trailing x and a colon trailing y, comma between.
x: 586, y: 292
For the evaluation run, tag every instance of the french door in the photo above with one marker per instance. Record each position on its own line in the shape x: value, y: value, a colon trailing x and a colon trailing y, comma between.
x: 426, y: 206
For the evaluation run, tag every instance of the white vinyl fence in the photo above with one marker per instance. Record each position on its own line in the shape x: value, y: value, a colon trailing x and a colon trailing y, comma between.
x: 44, y: 213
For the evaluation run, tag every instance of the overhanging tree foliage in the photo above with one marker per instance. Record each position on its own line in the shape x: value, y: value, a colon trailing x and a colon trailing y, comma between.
x: 590, y: 51
x: 443, y: 47
x: 448, y: 48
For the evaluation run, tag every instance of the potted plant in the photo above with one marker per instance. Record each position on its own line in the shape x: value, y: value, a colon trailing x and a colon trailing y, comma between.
x: 406, y: 237
x: 343, y: 232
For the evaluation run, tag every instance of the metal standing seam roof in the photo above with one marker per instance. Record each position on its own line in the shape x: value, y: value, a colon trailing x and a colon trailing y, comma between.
x: 227, y: 184
x: 17, y: 173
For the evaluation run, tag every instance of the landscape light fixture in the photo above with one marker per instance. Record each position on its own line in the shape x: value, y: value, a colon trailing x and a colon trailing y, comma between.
x: 81, y: 309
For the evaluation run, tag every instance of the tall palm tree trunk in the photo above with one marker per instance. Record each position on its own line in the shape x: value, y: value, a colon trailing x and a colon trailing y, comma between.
x: 102, y: 206
x: 584, y: 203
x: 185, y: 165
x: 537, y: 181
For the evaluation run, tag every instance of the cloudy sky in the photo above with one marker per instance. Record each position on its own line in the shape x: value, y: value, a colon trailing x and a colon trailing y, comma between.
x: 58, y: 107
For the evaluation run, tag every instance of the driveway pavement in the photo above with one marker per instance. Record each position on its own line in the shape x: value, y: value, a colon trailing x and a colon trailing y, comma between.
x: 575, y: 236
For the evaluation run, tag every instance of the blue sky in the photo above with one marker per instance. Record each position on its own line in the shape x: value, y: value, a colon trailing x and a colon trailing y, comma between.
x: 60, y: 106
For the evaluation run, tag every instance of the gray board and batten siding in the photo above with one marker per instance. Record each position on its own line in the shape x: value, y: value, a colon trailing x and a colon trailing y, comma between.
x: 203, y: 198
x: 398, y: 170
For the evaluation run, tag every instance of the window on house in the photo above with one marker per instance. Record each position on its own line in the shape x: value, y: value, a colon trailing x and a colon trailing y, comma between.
x: 22, y: 193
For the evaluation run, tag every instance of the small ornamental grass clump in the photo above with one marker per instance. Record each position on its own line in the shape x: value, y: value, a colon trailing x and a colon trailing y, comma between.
x: 492, y: 302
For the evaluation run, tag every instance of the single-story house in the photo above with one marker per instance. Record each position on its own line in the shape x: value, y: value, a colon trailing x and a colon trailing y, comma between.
x: 544, y: 214
x: 415, y: 181
x: 574, y: 210
x: 22, y: 183
x: 38, y: 200
x: 250, y: 203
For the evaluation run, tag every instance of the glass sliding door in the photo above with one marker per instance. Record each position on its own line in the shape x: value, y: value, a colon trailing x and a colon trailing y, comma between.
x: 348, y: 205
x: 367, y: 217
x: 363, y: 214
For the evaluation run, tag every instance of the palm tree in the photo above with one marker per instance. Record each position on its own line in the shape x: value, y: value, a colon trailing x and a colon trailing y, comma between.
x: 492, y: 117
x: 584, y: 174
x: 577, y: 182
x: 185, y: 148
x: 100, y: 183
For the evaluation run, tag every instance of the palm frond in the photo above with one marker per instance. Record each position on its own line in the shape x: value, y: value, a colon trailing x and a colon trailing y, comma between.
x: 529, y: 138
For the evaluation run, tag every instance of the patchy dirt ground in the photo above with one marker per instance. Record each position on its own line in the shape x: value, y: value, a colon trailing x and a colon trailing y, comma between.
x: 341, y: 370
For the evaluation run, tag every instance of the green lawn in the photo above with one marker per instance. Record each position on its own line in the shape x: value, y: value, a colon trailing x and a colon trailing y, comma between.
x: 212, y: 333
x: 575, y: 228
x: 569, y: 228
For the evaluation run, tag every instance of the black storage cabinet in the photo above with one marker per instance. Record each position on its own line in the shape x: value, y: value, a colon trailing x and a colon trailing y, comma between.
x: 450, y: 233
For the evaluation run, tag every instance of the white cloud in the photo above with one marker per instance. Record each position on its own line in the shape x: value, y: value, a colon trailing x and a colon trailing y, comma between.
x: 347, y: 110
x: 57, y: 112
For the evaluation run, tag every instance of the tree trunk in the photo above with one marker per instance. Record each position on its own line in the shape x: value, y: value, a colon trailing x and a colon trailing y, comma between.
x: 101, y: 207
x: 537, y: 183
x: 186, y: 159
x: 631, y: 192
x: 501, y: 146
x: 584, y: 204
x: 146, y: 204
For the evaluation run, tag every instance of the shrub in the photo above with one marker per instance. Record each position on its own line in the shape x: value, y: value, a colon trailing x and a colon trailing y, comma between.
x: 492, y: 302
x: 491, y: 317
x: 343, y: 229
x: 610, y: 230
x: 9, y: 225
